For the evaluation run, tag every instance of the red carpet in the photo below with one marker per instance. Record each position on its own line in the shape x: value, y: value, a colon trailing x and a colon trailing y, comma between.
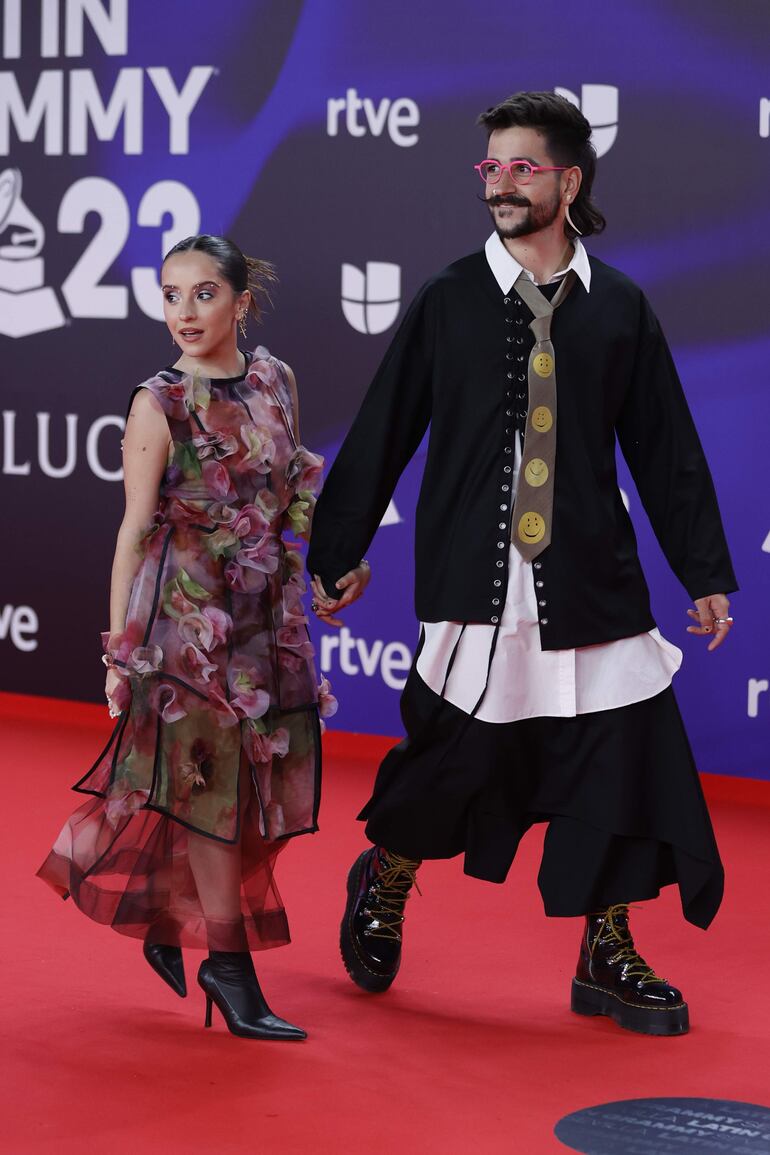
x: 473, y: 1050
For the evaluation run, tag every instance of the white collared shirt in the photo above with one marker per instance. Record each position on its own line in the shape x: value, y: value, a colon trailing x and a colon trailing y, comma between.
x: 526, y: 681
x: 506, y: 268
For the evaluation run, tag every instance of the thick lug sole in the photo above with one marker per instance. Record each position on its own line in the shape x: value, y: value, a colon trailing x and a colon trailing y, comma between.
x: 590, y: 1000
x: 353, y: 957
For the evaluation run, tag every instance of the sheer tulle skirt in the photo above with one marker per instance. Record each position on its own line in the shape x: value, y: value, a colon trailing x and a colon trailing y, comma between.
x: 150, y: 877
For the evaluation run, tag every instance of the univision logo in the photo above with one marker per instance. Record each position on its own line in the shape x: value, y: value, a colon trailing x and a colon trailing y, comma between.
x: 371, y: 300
x: 599, y: 105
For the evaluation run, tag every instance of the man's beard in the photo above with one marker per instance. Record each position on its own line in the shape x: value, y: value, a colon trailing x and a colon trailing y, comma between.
x: 537, y: 218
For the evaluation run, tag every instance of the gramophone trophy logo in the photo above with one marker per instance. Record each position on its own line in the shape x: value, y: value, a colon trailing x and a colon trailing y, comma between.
x: 27, y: 304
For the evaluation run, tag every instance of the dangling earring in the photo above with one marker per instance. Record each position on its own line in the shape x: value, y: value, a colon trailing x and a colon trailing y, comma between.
x: 242, y: 325
x: 569, y: 219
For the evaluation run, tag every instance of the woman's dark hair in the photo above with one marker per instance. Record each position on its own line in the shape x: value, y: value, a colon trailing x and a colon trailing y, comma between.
x: 240, y: 272
x: 568, y: 138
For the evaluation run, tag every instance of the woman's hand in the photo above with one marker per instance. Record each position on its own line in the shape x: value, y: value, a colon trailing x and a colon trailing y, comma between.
x: 112, y: 690
x: 352, y: 584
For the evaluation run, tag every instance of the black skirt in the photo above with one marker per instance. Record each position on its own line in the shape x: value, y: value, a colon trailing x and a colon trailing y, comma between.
x: 618, y: 788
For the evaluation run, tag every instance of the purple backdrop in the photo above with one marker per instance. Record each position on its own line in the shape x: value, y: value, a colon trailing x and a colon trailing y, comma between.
x: 337, y: 139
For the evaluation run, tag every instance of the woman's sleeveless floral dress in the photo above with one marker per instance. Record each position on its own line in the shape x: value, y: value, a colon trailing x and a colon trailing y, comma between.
x: 219, y: 736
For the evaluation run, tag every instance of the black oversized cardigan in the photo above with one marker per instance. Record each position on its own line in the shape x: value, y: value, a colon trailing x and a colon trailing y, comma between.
x: 458, y: 362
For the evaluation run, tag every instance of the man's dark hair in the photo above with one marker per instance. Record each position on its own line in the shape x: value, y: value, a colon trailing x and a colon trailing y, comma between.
x: 567, y: 135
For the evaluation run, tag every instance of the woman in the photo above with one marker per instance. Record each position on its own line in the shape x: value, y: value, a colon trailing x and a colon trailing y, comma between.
x: 215, y: 759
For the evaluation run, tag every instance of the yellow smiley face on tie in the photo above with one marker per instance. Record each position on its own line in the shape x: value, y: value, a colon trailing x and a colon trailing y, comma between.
x: 542, y: 419
x: 542, y: 363
x: 531, y: 528
x: 536, y: 472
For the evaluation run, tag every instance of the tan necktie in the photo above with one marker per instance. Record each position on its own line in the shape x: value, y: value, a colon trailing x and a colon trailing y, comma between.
x: 533, y: 507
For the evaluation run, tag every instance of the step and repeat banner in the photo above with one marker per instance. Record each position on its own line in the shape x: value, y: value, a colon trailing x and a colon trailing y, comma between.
x: 337, y: 139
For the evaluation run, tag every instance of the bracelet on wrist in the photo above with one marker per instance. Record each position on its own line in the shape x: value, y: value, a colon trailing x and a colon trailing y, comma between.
x: 112, y: 664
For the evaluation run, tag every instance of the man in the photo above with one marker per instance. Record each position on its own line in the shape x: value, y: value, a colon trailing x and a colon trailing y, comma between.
x: 541, y: 689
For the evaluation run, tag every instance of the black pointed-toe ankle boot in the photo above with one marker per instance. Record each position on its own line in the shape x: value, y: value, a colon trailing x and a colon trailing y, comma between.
x: 228, y: 979
x: 371, y: 933
x: 167, y: 962
x: 613, y: 979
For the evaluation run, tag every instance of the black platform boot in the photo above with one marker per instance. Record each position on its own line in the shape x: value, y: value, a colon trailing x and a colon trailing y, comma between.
x: 370, y: 936
x: 167, y: 962
x: 227, y: 978
x: 612, y: 979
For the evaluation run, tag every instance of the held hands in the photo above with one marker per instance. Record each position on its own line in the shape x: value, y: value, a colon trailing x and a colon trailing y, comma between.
x: 712, y: 616
x: 352, y: 585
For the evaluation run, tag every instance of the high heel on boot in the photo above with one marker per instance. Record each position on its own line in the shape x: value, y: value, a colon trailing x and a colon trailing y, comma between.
x: 229, y: 981
x: 167, y: 962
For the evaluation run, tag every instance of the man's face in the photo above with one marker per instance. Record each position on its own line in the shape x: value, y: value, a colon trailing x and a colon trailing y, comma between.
x: 520, y: 210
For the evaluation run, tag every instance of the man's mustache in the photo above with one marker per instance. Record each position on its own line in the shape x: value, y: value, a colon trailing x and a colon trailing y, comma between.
x: 510, y: 199
x: 506, y: 199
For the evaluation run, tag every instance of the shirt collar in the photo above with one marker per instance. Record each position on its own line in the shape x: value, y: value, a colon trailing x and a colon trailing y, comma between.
x: 506, y: 268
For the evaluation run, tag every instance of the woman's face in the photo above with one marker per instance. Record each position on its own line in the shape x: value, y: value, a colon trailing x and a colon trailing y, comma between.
x: 200, y: 307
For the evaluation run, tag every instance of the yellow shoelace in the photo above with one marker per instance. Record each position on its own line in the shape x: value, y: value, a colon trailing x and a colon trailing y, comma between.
x: 627, y: 954
x: 390, y: 891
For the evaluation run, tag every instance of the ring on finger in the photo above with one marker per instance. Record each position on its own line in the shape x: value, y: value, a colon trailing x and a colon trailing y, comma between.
x: 723, y: 621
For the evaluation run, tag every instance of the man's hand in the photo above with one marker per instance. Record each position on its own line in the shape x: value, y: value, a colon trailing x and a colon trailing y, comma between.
x: 713, y: 617
x: 352, y: 584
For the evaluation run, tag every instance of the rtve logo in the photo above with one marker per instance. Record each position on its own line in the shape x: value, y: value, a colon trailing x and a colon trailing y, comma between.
x: 18, y: 623
x: 396, y: 116
x: 599, y: 105
x: 371, y: 300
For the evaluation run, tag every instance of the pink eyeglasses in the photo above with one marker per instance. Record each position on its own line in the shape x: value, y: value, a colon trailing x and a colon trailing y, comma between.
x: 520, y: 171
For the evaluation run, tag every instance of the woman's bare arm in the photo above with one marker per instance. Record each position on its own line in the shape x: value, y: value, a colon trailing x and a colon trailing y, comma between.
x: 145, y: 454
